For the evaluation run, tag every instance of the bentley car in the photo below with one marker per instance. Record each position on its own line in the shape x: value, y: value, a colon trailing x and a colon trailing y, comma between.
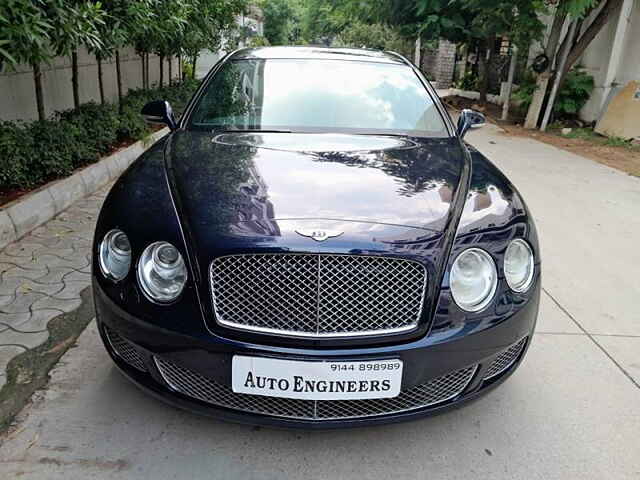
x: 314, y: 245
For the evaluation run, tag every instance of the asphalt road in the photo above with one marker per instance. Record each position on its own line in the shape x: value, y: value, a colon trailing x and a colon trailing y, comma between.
x: 571, y: 411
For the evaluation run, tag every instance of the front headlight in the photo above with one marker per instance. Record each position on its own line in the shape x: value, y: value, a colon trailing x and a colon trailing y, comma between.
x: 518, y: 265
x: 162, y: 273
x: 115, y: 255
x: 473, y: 279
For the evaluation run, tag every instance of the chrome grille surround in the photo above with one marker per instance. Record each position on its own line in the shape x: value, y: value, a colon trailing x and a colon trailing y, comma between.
x: 317, y: 295
x: 505, y: 359
x: 125, y: 349
x: 192, y: 384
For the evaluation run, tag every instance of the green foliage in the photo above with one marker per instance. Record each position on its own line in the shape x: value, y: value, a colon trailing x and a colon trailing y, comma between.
x: 24, y: 32
x: 258, y: 41
x: 376, y: 36
x: 278, y: 15
x: 33, y: 153
x: 469, y: 81
x: 322, y: 20
x: 15, y: 143
x: 524, y: 94
x: 574, y: 93
x: 94, y: 132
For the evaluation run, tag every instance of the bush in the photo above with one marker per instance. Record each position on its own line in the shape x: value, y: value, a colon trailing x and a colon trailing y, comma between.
x: 95, y: 128
x: 469, y: 81
x: 36, y: 152
x: 52, y: 152
x: 575, y: 92
x: 15, y: 145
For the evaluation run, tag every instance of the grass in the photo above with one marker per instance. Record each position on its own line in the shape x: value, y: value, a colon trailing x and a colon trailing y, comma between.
x: 591, y: 136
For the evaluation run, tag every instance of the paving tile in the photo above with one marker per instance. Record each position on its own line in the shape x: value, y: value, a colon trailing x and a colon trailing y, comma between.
x: 56, y: 303
x: 77, y: 276
x: 71, y: 289
x: 38, y: 320
x: 53, y: 261
x: 47, y: 288
x: 55, y: 275
x: 23, y: 303
x: 29, y: 340
x: 25, y: 248
x: 23, y: 273
x: 13, y: 320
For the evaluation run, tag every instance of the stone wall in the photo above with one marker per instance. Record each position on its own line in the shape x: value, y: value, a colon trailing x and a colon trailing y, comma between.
x: 439, y: 63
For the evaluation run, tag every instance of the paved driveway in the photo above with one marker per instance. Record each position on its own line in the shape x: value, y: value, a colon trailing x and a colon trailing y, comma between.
x: 571, y: 411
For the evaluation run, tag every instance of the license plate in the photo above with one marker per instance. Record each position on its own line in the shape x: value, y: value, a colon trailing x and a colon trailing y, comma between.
x: 329, y: 380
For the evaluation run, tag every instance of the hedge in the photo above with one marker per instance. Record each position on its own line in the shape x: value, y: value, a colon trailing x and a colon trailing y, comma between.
x: 32, y: 153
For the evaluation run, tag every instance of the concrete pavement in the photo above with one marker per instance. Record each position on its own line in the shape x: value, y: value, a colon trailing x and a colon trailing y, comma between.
x: 571, y: 411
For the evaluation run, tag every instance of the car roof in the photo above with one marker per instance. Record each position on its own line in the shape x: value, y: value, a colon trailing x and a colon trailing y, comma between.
x: 319, y: 53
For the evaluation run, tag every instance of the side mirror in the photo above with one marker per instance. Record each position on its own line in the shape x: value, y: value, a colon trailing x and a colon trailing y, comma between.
x: 159, y: 111
x: 469, y: 119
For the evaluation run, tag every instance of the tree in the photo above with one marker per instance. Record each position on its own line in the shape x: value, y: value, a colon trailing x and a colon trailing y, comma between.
x: 120, y: 23
x: 323, y: 20
x: 75, y: 23
x: 376, y: 36
x: 575, y: 11
x: 24, y: 30
x: 277, y: 20
x: 206, y: 23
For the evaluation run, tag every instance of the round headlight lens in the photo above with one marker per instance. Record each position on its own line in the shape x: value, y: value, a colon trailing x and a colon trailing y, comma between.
x: 518, y: 265
x: 115, y: 255
x: 473, y: 279
x: 162, y: 273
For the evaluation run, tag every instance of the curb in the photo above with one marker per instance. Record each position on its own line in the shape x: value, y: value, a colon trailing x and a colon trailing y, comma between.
x: 28, y: 212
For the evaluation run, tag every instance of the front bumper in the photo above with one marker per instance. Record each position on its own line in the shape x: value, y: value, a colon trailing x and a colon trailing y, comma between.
x: 195, y: 373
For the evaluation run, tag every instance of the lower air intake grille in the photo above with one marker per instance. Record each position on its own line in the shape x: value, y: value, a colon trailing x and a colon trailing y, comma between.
x: 125, y: 350
x: 505, y: 359
x: 207, y: 390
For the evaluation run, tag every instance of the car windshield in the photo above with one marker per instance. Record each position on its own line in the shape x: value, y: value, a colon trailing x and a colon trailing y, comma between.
x: 317, y: 96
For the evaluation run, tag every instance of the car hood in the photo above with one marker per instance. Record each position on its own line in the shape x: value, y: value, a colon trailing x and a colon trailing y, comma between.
x: 259, y: 189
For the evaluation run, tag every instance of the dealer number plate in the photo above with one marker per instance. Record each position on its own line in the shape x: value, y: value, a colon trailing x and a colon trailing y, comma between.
x: 329, y: 380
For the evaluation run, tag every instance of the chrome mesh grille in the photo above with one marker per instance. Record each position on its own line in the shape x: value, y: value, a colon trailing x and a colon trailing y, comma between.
x: 317, y: 295
x: 505, y: 359
x: 207, y: 390
x: 125, y: 350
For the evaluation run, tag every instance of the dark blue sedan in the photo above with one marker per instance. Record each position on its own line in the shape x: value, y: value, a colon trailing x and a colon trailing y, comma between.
x: 314, y: 245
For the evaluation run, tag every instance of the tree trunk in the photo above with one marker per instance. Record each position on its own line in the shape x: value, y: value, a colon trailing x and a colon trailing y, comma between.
x: 142, y: 63
x: 417, y: 52
x: 161, y: 58
x: 146, y: 69
x: 485, y: 64
x: 74, y: 79
x: 180, y: 67
x: 100, y: 79
x: 193, y: 73
x: 512, y: 71
x: 118, y: 76
x: 609, y: 10
x: 170, y: 69
x: 37, y: 80
x: 542, y: 81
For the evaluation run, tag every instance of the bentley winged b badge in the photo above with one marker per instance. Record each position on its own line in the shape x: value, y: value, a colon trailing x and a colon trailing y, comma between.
x: 317, y: 234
